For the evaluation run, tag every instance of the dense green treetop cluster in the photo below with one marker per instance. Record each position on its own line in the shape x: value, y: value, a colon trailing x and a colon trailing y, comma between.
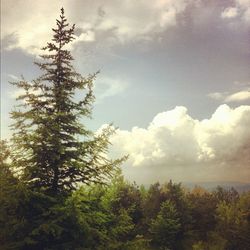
x: 123, y: 216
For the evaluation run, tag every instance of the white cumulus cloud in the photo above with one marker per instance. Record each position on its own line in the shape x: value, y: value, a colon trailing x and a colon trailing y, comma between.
x: 177, y: 146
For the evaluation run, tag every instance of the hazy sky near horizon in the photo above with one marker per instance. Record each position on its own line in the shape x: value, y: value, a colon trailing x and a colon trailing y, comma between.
x: 174, y: 78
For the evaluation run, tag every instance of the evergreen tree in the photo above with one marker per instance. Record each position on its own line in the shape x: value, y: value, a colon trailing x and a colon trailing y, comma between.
x: 53, y: 151
x: 165, y: 227
x: 203, y: 210
x: 12, y: 194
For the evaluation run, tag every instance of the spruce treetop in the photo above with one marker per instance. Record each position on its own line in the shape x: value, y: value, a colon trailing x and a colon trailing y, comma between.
x: 52, y: 149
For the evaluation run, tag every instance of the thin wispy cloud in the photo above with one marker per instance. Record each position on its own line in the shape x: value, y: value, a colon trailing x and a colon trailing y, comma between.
x: 217, y: 96
x: 107, y: 87
x: 13, y: 77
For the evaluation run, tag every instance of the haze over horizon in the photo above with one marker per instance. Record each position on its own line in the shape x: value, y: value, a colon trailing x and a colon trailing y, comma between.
x: 174, y: 78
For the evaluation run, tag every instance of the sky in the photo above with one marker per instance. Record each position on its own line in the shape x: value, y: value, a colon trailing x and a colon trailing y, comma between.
x: 174, y: 78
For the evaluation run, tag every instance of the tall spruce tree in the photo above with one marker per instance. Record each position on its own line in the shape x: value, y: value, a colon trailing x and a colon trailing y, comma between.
x: 52, y: 149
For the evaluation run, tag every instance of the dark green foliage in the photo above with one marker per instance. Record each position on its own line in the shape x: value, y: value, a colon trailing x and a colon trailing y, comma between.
x: 111, y: 217
x: 227, y: 195
x: 234, y: 223
x: 170, y: 191
x: 153, y: 201
x: 165, y: 227
x: 203, y: 213
x: 176, y: 194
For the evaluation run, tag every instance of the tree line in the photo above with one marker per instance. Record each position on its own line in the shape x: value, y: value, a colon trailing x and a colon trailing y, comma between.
x: 122, y: 215
x: 59, y: 190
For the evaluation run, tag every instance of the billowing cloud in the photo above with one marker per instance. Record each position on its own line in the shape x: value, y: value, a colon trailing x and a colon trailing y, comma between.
x: 175, y: 145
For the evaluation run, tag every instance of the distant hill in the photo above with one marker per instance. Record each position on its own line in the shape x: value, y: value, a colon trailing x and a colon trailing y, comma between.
x: 240, y: 187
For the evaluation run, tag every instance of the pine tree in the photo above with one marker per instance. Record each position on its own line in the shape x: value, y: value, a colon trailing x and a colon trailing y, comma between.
x: 52, y: 150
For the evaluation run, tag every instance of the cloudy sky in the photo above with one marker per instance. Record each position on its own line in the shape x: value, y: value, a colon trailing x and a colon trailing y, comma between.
x: 174, y: 78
